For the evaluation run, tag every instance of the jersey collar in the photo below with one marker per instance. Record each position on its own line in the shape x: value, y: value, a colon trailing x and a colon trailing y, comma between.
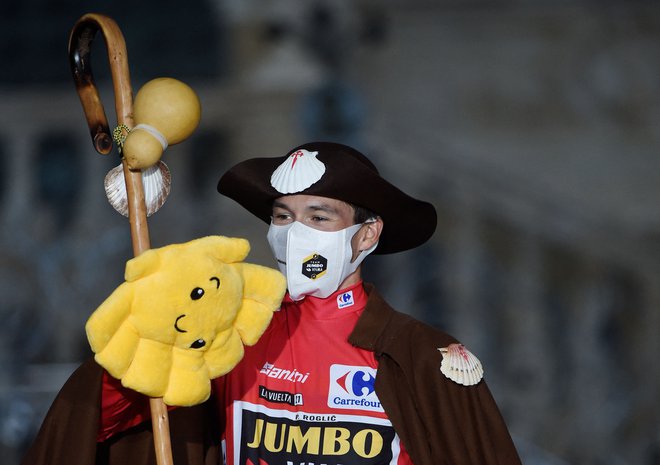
x: 348, y: 300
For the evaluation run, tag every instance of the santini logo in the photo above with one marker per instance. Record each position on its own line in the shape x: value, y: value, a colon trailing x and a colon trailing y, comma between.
x: 294, y: 375
x: 352, y: 387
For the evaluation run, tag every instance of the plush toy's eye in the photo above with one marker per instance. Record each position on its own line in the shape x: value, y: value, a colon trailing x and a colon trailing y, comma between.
x: 217, y: 282
x: 198, y: 344
x: 197, y: 293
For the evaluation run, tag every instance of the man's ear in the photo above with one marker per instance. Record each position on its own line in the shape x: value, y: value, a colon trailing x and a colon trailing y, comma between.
x: 367, y: 236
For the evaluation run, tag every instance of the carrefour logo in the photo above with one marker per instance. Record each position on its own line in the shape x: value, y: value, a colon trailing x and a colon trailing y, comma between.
x: 345, y: 300
x: 359, y: 383
x: 352, y: 387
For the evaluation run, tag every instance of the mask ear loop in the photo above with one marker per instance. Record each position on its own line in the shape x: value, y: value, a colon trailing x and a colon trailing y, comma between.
x: 370, y: 249
x: 371, y: 221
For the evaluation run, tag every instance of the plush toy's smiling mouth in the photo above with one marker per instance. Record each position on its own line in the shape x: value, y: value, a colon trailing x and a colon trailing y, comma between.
x: 198, y: 344
x: 176, y: 324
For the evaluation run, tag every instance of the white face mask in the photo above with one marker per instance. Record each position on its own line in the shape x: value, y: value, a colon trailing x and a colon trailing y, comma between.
x: 314, y: 262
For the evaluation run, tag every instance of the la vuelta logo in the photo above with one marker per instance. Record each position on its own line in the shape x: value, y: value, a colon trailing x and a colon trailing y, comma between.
x: 352, y: 387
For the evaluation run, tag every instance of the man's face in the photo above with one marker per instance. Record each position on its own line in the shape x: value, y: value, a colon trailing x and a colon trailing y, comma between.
x: 320, y: 213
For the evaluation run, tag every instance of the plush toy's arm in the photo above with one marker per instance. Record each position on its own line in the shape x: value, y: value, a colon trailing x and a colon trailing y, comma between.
x: 109, y: 317
x: 111, y: 336
x: 262, y: 295
x: 189, y: 381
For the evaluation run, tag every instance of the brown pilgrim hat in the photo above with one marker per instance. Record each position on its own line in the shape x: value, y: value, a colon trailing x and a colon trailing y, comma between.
x: 333, y: 170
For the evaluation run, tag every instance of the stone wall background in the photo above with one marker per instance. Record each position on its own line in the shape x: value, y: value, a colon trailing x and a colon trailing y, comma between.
x: 532, y: 126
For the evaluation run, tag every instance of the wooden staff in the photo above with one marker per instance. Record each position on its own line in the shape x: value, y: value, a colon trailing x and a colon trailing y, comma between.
x: 80, y: 43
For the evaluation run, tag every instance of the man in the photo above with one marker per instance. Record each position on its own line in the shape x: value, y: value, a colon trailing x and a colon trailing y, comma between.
x: 339, y: 377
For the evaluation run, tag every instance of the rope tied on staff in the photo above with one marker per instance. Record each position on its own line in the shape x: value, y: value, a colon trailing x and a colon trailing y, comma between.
x: 119, y: 134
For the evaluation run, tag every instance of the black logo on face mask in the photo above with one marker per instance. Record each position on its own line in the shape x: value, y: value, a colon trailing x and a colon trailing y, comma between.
x: 314, y: 266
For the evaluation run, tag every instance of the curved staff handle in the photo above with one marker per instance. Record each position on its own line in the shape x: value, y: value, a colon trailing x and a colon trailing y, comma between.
x: 80, y: 48
x: 80, y: 44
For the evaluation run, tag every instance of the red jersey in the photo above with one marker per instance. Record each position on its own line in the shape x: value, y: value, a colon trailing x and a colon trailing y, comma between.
x: 304, y: 395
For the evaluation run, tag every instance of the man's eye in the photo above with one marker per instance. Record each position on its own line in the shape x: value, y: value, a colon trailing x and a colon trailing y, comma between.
x: 279, y: 218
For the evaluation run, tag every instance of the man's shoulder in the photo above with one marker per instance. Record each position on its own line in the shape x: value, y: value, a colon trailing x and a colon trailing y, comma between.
x: 412, y: 327
x: 401, y: 327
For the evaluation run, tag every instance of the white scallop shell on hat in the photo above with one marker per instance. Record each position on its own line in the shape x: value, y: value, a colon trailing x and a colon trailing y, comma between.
x: 460, y: 365
x: 156, y: 180
x: 300, y: 170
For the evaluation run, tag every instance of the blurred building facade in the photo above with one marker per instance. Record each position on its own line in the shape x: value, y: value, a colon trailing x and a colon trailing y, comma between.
x: 533, y: 130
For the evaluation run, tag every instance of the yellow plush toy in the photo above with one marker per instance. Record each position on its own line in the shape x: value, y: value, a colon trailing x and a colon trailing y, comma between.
x: 182, y: 317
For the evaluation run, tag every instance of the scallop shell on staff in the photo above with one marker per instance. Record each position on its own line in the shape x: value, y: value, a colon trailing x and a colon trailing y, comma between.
x: 299, y: 171
x: 460, y: 365
x: 156, y: 181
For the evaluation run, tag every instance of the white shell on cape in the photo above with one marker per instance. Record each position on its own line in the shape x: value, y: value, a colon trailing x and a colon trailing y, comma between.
x: 156, y: 180
x: 299, y: 171
x: 460, y: 365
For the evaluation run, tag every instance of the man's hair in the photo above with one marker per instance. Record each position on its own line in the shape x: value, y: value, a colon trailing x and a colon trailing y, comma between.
x: 361, y: 214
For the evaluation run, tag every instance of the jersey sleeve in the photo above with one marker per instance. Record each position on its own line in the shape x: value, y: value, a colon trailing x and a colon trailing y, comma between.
x: 121, y: 408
